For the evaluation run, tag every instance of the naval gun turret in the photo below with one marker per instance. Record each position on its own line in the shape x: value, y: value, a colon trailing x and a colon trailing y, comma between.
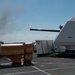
x: 66, y: 36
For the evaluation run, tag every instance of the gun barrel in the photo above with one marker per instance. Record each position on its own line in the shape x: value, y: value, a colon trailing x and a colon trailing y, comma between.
x: 31, y: 29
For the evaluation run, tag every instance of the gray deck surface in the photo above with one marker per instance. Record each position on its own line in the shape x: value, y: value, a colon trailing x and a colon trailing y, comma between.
x: 5, y: 60
x: 43, y: 66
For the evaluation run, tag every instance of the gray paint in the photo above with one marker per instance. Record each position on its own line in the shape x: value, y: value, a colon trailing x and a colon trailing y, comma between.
x: 67, y: 34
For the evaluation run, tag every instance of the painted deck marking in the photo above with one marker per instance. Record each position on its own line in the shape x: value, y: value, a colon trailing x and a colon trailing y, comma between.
x: 17, y: 73
x: 38, y: 70
x: 41, y: 70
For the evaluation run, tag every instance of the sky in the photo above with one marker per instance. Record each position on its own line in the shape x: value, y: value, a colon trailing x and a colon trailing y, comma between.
x: 18, y: 16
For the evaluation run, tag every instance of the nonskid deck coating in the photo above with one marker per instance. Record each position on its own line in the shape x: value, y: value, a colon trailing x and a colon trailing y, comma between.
x: 43, y: 66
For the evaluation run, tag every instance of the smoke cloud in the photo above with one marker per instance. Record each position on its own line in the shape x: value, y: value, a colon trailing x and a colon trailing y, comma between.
x: 8, y: 23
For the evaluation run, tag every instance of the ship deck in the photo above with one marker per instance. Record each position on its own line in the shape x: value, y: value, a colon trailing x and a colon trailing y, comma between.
x: 43, y: 66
